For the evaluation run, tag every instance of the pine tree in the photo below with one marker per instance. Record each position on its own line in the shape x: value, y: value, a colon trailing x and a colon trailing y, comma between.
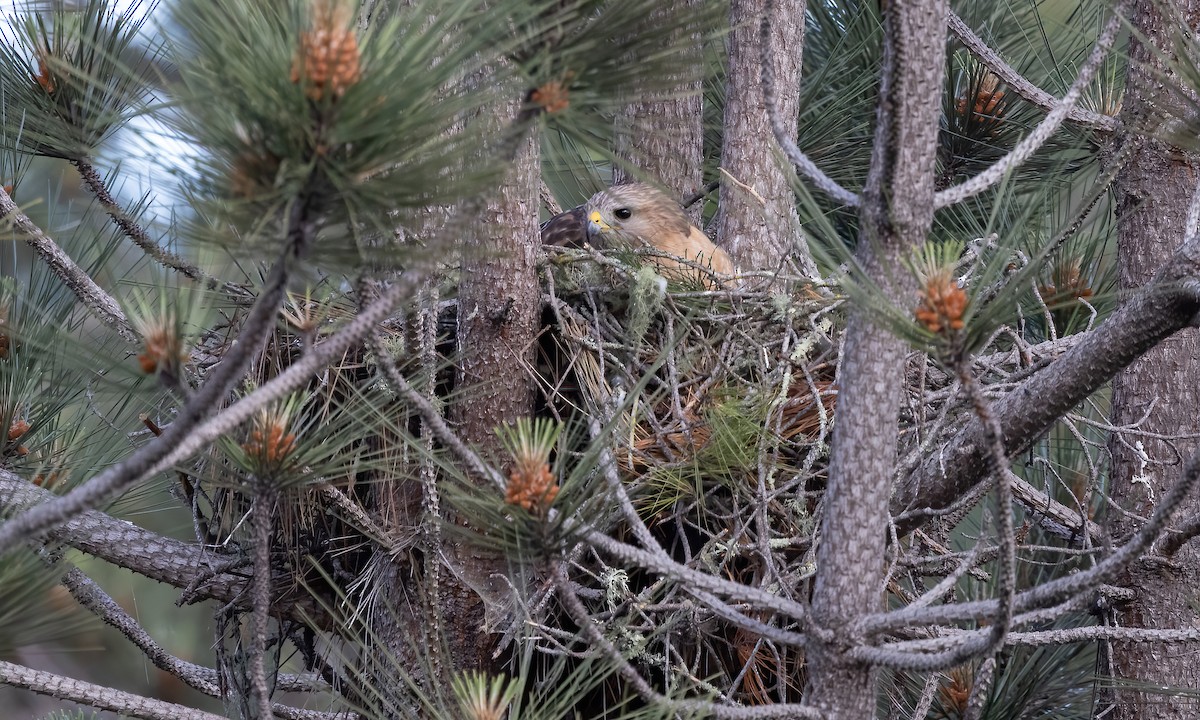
x: 428, y: 467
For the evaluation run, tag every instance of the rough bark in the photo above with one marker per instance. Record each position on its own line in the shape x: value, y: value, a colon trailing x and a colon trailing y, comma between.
x: 896, y: 216
x: 498, y: 311
x: 167, y: 560
x: 1154, y: 314
x: 498, y: 306
x: 1153, y: 193
x: 756, y: 221
x: 97, y: 696
x: 661, y: 141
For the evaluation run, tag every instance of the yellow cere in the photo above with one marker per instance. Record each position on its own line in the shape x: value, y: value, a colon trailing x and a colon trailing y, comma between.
x: 595, y: 217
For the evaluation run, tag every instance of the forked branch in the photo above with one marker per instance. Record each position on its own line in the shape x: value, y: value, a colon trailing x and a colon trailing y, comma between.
x: 1019, y: 83
x: 1046, y: 128
x: 787, y: 143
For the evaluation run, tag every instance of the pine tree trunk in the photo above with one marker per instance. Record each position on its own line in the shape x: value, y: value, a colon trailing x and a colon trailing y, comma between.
x: 896, y: 216
x: 662, y: 140
x: 1153, y: 194
x: 498, y: 311
x: 498, y: 306
x: 756, y: 222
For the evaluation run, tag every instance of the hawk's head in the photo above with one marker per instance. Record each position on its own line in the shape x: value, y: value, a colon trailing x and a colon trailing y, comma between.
x: 633, y: 213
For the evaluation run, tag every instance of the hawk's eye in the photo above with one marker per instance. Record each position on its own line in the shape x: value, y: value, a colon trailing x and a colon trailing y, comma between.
x: 622, y: 213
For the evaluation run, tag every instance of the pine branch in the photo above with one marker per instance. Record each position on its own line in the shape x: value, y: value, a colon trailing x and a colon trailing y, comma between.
x: 135, y: 232
x: 1076, y: 585
x: 1047, y: 127
x: 981, y: 684
x: 296, y: 376
x: 147, y: 459
x: 102, y: 305
x: 1178, y: 536
x: 92, y: 597
x: 88, y: 594
x: 1111, y: 633
x: 97, y: 696
x: 1053, y: 516
x: 1065, y: 636
x: 896, y: 216
x: 1019, y: 83
x: 260, y: 597
x: 1165, y: 306
x: 157, y: 557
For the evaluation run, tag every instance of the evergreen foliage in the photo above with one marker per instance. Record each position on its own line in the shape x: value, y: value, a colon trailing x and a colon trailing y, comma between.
x: 649, y: 535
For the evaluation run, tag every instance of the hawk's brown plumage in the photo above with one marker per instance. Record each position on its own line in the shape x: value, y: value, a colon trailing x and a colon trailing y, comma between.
x: 640, y: 215
x: 566, y: 229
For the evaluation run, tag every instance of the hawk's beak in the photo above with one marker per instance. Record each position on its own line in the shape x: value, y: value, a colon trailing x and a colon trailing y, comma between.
x: 596, y: 224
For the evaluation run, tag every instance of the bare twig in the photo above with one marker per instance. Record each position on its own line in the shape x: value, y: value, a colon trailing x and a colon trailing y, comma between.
x: 1008, y: 542
x: 579, y: 614
x: 695, y: 579
x: 928, y: 693
x: 135, y: 232
x: 434, y: 420
x: 1079, y: 583
x: 548, y: 200
x: 698, y: 196
x: 1192, y: 224
x: 1178, y: 536
x: 88, y: 594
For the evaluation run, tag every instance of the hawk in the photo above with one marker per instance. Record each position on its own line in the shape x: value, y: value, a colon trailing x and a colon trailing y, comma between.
x: 640, y: 215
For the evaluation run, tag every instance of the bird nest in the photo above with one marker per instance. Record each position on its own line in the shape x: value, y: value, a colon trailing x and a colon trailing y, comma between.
x: 702, y: 388
x: 718, y: 408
